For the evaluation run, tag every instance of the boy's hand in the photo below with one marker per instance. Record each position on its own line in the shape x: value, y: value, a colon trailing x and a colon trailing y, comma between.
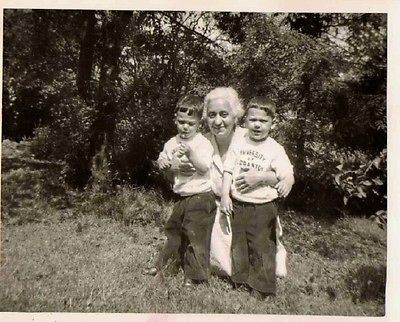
x: 248, y: 180
x: 283, y: 187
x: 164, y: 164
x: 183, y: 149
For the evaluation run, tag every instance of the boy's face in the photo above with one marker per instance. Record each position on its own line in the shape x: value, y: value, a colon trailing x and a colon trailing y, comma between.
x: 259, y: 123
x: 187, y: 125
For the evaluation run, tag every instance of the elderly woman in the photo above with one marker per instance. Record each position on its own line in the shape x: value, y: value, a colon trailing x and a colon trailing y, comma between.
x: 223, y: 110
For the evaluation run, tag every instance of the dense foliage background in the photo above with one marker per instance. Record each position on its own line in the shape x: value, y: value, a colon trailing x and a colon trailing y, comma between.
x: 96, y: 90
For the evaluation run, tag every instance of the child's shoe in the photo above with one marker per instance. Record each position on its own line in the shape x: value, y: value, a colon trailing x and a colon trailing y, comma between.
x: 188, y: 283
x: 240, y: 286
x: 150, y: 271
x: 192, y: 283
x: 157, y: 280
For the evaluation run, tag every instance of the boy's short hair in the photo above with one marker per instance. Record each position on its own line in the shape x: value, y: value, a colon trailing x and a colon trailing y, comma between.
x: 262, y: 103
x: 190, y: 105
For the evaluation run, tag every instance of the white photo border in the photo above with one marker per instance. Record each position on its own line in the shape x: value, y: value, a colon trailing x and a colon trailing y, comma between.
x: 392, y: 8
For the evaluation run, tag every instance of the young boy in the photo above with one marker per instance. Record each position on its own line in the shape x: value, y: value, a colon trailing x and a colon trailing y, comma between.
x: 188, y: 230
x: 254, y: 212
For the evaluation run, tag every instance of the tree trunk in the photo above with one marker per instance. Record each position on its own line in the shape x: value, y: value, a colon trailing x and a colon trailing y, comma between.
x: 103, y: 129
x: 86, y: 56
x: 301, y: 118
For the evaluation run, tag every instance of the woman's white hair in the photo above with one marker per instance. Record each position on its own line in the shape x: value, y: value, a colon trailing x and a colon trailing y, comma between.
x: 228, y: 94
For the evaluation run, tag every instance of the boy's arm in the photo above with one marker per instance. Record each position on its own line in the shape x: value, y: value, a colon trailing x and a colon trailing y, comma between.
x: 164, y: 158
x: 200, y: 155
x: 164, y: 164
x: 200, y: 163
x: 167, y: 161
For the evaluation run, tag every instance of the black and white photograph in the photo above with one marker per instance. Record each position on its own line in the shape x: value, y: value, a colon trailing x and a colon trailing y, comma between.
x: 194, y: 161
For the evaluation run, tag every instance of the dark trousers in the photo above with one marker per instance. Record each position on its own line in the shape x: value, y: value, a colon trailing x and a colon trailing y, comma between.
x: 188, y: 232
x: 254, y: 245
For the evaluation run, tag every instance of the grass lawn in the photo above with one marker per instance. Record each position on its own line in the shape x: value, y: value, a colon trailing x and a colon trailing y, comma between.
x: 67, y: 251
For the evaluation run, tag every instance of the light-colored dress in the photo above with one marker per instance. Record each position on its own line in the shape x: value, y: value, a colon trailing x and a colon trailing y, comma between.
x: 221, y: 238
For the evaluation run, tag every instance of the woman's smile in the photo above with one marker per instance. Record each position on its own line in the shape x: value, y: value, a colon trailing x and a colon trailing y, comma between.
x: 219, y: 128
x: 220, y: 118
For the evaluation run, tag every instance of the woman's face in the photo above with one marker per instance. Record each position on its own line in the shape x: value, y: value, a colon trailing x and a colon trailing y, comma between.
x: 220, y: 118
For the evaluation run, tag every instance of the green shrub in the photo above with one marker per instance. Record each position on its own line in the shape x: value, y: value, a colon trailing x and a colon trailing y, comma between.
x: 25, y: 197
x: 66, y: 137
x: 363, y: 179
x: 365, y: 229
x: 41, y: 145
x: 129, y: 205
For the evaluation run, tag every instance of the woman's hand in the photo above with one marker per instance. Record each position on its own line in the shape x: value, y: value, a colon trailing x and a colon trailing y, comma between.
x: 164, y: 164
x: 251, y: 179
x: 226, y: 205
x: 226, y: 208
x: 284, y: 186
x: 183, y: 167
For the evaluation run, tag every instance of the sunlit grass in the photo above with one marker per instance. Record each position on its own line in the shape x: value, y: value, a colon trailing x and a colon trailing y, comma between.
x: 87, y: 254
x: 92, y: 264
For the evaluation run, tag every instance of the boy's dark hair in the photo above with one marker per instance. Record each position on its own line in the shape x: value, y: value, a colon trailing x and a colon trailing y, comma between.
x: 262, y: 103
x: 191, y: 105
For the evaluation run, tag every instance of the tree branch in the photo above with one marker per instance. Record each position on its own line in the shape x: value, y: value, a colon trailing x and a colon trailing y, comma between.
x: 204, y: 37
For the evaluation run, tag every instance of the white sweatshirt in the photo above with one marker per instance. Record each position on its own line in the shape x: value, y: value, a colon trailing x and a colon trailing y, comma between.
x: 267, y: 155
x: 196, y: 183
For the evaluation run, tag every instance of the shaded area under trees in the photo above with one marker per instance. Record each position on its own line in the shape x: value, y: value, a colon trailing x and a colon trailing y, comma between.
x: 85, y: 85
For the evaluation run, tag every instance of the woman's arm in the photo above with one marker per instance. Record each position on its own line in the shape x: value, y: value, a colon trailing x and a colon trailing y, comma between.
x: 251, y: 179
x: 285, y: 186
x: 226, y: 201
x: 183, y: 167
x: 284, y: 171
